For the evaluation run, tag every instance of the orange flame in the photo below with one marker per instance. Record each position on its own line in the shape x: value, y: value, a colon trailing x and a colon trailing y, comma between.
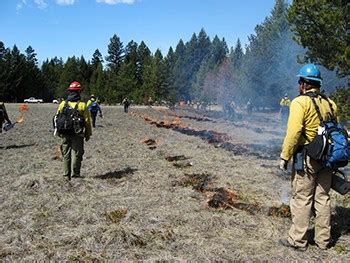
x: 22, y: 109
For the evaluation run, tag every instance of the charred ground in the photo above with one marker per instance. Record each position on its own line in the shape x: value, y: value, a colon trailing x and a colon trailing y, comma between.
x: 158, y: 185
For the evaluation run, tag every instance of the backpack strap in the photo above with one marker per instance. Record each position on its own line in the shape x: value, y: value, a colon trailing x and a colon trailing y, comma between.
x: 313, y: 95
x: 76, y: 107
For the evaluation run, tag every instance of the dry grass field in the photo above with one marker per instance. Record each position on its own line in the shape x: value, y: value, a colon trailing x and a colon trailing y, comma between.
x: 155, y: 187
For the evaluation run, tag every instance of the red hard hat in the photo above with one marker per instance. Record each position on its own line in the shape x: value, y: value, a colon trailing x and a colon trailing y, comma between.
x: 74, y: 86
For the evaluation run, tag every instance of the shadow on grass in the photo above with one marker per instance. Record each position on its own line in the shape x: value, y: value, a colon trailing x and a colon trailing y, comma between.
x: 117, y: 174
x: 340, y: 222
x: 340, y: 225
x: 14, y: 146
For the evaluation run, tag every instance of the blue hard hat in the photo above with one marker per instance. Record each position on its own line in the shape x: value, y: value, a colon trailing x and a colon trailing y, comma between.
x: 310, y: 72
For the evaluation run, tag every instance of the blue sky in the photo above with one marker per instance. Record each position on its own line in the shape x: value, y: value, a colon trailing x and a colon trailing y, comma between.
x: 65, y: 28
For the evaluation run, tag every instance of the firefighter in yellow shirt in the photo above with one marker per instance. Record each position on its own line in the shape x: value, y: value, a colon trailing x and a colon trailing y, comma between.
x: 72, y: 146
x: 311, y: 182
x: 284, y: 103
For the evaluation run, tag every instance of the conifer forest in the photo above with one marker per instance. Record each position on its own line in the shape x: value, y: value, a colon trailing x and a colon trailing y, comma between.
x: 197, y: 69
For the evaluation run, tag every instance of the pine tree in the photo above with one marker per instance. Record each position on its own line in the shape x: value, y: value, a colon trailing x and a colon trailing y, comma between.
x: 33, y: 81
x: 237, y: 55
x: 143, y: 57
x: 155, y: 79
x: 85, y: 72
x: 51, y: 72
x: 4, y: 53
x: 269, y: 65
x: 178, y: 69
x: 115, y: 53
x: 169, y: 63
x: 127, y: 76
x: 97, y: 82
x: 96, y: 59
x: 69, y: 74
x: 323, y: 28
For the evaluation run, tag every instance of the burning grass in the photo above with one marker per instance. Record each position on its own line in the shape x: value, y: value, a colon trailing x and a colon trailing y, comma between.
x: 217, y: 139
x: 222, y: 198
x: 282, y: 211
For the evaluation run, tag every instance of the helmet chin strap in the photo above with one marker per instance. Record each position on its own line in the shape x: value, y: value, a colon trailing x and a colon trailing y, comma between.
x: 302, y: 88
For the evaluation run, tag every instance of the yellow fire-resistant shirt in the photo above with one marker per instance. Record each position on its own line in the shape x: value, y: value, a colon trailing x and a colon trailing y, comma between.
x: 303, y: 122
x: 83, y: 111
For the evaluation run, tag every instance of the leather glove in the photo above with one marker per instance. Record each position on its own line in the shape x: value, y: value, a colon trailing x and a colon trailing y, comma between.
x: 283, y: 165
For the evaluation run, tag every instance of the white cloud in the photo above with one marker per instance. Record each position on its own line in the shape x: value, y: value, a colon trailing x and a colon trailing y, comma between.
x: 65, y: 2
x: 21, y: 4
x: 114, y: 2
x: 41, y: 4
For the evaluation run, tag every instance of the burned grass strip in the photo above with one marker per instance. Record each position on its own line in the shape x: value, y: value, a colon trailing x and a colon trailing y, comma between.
x: 151, y: 143
x: 200, y: 182
x: 117, y: 174
x: 204, y: 119
x: 116, y: 216
x: 218, y: 140
x: 176, y: 158
x: 179, y: 161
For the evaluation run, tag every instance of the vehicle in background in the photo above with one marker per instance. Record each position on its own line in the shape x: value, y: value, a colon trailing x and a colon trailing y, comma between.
x: 33, y: 100
x: 55, y: 101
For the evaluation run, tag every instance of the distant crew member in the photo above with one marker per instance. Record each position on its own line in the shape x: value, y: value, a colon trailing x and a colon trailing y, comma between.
x: 249, y: 107
x: 126, y: 104
x: 284, y: 103
x: 94, y: 108
x: 3, y: 116
x: 72, y: 146
x: 150, y: 101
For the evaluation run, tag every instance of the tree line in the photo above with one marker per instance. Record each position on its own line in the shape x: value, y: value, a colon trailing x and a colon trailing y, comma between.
x: 200, y: 69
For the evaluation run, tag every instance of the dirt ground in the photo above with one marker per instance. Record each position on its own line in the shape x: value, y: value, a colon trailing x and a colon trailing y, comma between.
x: 149, y: 193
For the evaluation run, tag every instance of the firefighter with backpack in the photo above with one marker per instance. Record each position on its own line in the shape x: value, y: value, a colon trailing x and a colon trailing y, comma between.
x: 72, y: 123
x: 94, y: 108
x: 126, y: 104
x: 311, y: 179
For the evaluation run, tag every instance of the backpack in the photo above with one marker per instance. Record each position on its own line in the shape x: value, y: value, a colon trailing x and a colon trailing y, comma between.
x: 93, y: 107
x: 69, y: 121
x: 331, y: 145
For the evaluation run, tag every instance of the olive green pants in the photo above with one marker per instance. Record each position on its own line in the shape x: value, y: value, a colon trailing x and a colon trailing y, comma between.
x: 72, y: 149
x: 310, y: 196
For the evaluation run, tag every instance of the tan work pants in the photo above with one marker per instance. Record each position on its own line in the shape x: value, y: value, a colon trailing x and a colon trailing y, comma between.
x: 310, y: 195
x: 72, y: 149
